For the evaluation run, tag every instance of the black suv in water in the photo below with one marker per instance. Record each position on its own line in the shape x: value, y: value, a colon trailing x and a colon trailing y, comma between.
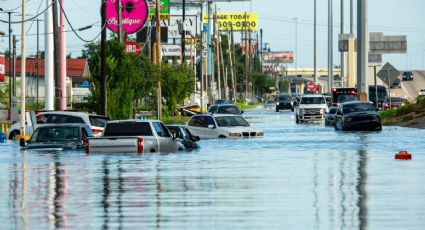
x: 284, y: 101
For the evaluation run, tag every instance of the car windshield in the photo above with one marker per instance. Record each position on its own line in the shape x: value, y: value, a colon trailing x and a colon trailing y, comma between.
x: 359, y: 107
x: 332, y: 110
x: 313, y: 100
x: 98, y: 120
x: 231, y: 121
x: 284, y: 98
x: 231, y: 109
x: 53, y: 134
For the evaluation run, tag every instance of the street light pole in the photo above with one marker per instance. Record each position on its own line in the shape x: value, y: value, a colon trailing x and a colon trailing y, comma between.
x: 316, y: 80
x: 296, y: 46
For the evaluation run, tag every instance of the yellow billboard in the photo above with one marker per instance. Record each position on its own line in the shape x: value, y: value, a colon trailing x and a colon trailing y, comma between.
x: 237, y: 21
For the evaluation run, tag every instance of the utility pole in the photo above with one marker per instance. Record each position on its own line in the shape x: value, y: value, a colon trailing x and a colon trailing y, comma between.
x: 296, y: 46
x: 351, y: 17
x: 37, y: 61
x: 316, y: 78
x: 246, y: 58
x: 14, y: 70
x: 217, y: 53
x: 342, y: 70
x: 49, y: 82
x: 183, y: 43
x: 362, y: 45
x: 103, y: 107
x: 158, y: 58
x: 330, y: 47
x: 58, y: 92
x: 23, y: 71
x: 202, y: 57
x: 231, y: 63
x: 62, y: 57
x: 120, y: 25
x: 234, y: 66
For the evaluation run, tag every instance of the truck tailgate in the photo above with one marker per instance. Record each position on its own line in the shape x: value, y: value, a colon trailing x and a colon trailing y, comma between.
x: 114, y: 145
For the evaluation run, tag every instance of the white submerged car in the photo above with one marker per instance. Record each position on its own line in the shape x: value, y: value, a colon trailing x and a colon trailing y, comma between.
x: 208, y: 126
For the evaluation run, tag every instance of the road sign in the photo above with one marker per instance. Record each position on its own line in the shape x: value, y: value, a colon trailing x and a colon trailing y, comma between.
x: 134, y: 15
x: 388, y: 73
x: 311, y: 86
x: 2, y: 68
x: 375, y: 58
x: 380, y: 44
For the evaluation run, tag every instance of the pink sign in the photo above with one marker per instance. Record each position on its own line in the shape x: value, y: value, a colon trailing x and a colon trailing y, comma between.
x: 2, y: 68
x: 134, y: 15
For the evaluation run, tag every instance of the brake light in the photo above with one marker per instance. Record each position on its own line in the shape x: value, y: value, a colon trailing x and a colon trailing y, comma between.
x: 353, y: 92
x: 87, y: 146
x: 96, y: 131
x: 140, y: 145
x: 334, y: 89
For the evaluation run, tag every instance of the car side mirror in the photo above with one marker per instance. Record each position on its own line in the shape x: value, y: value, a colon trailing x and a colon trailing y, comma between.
x: 196, y: 138
x: 242, y: 111
x: 211, y: 126
x: 22, y: 142
x: 174, y: 135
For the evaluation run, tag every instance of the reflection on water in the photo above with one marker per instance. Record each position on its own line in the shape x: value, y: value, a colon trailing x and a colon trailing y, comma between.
x: 297, y: 177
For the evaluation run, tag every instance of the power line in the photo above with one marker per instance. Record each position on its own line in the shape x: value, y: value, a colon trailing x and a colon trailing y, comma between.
x: 75, y: 32
x: 29, y: 19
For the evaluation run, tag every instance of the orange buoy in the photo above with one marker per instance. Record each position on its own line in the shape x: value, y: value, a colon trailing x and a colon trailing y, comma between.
x: 403, y: 155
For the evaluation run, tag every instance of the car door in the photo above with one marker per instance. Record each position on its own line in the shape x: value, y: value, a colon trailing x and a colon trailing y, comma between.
x: 198, y: 125
x: 165, y: 139
x: 338, y: 118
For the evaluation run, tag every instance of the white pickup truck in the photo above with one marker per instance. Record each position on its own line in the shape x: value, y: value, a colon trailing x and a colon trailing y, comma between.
x: 134, y: 136
x: 312, y: 107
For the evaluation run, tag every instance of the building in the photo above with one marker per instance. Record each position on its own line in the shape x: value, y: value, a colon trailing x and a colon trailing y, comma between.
x: 77, y: 79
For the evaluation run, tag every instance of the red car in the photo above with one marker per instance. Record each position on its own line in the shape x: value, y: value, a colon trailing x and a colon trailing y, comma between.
x: 394, y: 103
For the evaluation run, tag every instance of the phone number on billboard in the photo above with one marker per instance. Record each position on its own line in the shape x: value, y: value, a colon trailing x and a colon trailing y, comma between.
x: 237, y: 25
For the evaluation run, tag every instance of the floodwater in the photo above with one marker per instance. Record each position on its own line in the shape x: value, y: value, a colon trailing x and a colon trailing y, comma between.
x: 304, y: 176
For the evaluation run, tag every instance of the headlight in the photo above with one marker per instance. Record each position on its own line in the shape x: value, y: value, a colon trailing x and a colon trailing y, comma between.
x: 322, y: 111
x: 277, y: 103
x: 260, y: 134
x: 235, y: 135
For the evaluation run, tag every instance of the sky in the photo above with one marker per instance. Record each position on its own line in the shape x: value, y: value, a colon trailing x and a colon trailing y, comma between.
x: 276, y: 18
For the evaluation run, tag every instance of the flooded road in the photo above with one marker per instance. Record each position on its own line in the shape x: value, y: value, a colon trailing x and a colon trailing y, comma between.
x: 296, y: 177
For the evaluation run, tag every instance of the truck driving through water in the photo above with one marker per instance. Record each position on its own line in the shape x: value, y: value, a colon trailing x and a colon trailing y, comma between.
x: 340, y: 95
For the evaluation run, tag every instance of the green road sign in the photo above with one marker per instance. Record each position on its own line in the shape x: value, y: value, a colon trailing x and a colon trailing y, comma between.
x: 165, y: 9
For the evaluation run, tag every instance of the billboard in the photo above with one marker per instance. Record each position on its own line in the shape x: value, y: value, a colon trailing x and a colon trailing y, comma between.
x: 2, y: 67
x: 279, y: 57
x: 164, y: 11
x: 236, y: 21
x: 134, y: 15
x: 171, y: 50
x: 173, y: 25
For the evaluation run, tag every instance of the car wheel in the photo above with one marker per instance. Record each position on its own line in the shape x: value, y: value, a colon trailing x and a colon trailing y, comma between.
x: 297, y: 120
x: 277, y: 109
x: 379, y: 128
x: 292, y: 109
x: 13, y: 135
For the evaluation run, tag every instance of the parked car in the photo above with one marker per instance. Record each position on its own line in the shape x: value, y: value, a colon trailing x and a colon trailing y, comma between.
x: 396, y: 84
x: 186, y: 137
x: 393, y: 102
x: 357, y: 115
x: 422, y: 92
x: 225, y: 109
x: 330, y: 116
x: 208, y: 126
x: 95, y: 122
x: 58, y: 137
x: 284, y: 101
x: 407, y: 76
x: 134, y: 136
x: 270, y: 104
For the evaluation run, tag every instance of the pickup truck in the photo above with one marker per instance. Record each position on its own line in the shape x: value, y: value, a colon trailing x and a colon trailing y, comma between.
x: 134, y: 136
x: 312, y: 107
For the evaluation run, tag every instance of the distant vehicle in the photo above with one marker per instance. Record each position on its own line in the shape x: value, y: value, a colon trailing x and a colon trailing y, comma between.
x: 330, y: 116
x: 225, y: 109
x: 422, y: 92
x: 208, y: 126
x: 58, y: 137
x: 381, y: 96
x: 407, y: 76
x: 393, y: 102
x: 340, y: 95
x: 134, y: 136
x: 270, y: 104
x: 357, y: 115
x: 95, y: 122
x: 312, y: 107
x: 186, y: 137
x: 284, y: 101
x: 396, y: 84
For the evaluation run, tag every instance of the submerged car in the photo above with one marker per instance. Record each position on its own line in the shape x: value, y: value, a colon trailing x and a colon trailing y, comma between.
x: 357, y: 115
x: 330, y: 116
x: 208, y: 126
x: 58, y: 137
x: 186, y: 137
